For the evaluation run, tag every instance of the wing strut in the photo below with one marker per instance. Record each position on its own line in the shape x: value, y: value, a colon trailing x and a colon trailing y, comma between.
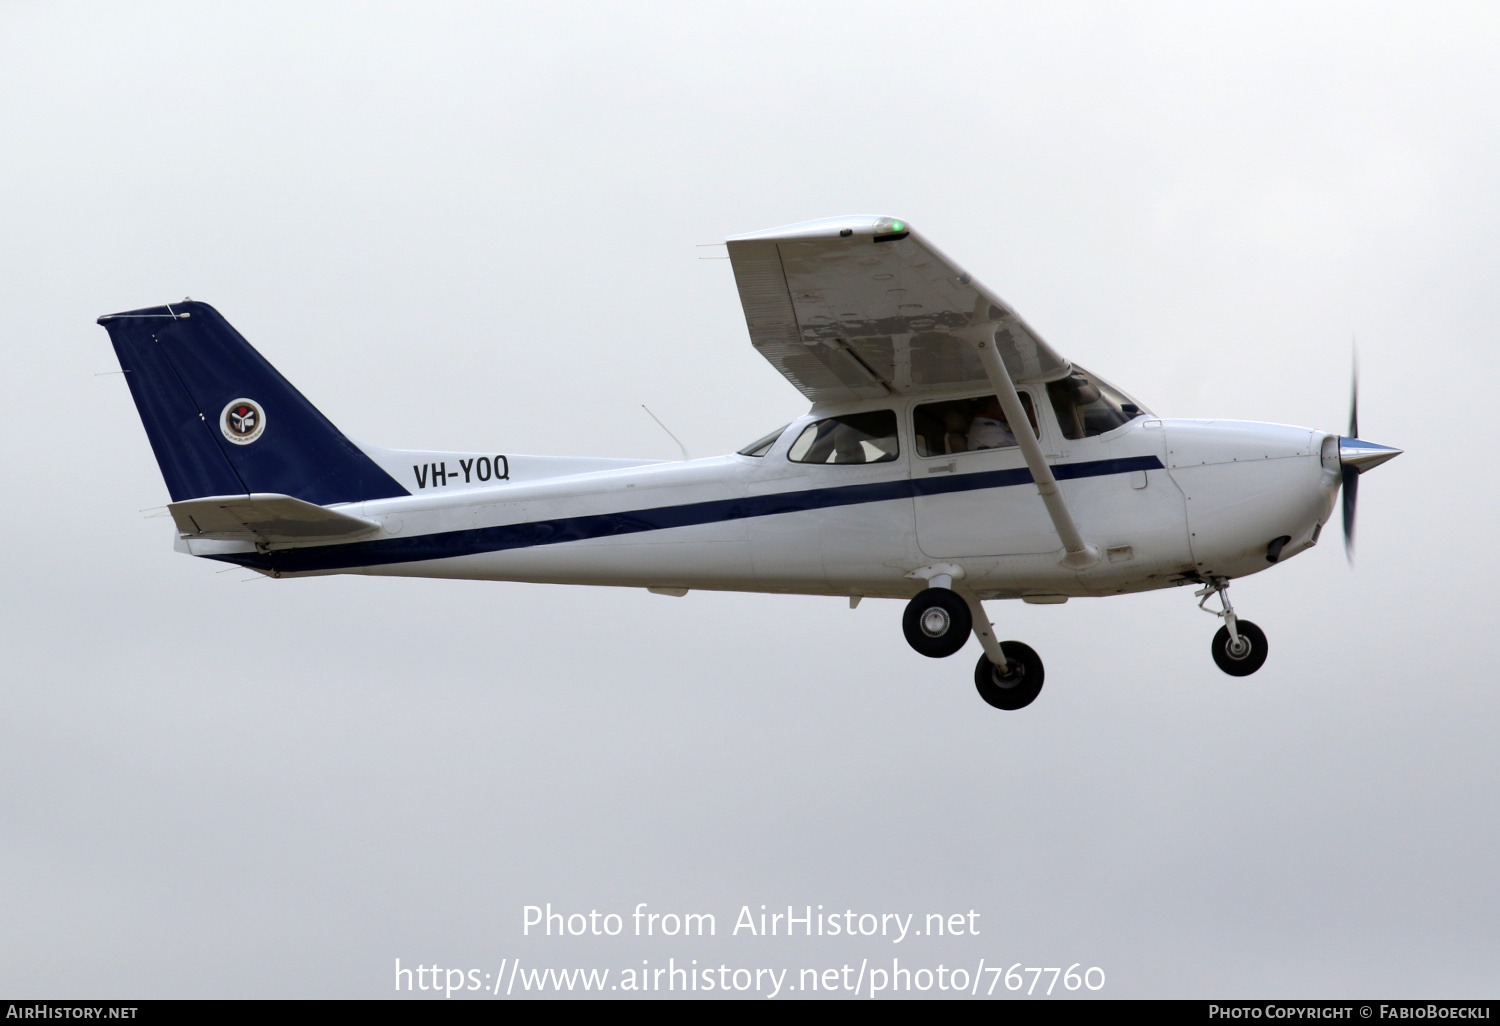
x: 1079, y: 555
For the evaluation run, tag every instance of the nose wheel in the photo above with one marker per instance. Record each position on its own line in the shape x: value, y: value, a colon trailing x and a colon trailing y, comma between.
x: 1239, y: 647
x: 1242, y: 656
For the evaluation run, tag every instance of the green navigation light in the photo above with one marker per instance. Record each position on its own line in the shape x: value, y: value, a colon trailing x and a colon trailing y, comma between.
x: 897, y: 226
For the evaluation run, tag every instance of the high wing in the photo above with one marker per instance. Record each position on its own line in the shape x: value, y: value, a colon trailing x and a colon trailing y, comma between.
x: 862, y: 307
x: 265, y: 518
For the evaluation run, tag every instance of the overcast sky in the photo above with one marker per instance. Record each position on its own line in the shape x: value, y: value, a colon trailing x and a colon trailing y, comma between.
x: 481, y: 227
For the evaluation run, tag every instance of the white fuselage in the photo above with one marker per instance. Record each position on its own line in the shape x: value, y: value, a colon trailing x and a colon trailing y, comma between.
x: 1164, y: 502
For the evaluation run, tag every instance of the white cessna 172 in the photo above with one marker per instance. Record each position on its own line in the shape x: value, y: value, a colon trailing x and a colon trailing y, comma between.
x: 950, y: 456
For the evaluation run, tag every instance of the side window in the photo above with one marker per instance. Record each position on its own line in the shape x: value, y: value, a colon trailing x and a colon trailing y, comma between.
x: 852, y: 438
x: 966, y: 425
x: 1087, y: 405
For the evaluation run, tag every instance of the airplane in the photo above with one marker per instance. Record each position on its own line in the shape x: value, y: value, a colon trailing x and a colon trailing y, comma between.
x: 950, y: 457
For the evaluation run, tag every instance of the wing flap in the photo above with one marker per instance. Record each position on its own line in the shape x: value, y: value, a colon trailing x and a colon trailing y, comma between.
x: 861, y: 307
x: 774, y: 328
x: 265, y: 518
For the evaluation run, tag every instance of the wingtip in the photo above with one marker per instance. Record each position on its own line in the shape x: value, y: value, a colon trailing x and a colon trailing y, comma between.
x: 845, y: 226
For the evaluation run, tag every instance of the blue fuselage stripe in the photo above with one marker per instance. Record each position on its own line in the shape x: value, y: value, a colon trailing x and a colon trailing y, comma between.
x: 449, y: 544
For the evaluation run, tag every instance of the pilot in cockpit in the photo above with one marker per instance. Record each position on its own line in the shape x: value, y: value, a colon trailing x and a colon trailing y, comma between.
x: 988, y: 430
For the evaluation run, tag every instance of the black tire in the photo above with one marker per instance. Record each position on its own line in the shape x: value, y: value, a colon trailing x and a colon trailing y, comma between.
x: 937, y: 622
x: 1241, y: 664
x: 1016, y: 689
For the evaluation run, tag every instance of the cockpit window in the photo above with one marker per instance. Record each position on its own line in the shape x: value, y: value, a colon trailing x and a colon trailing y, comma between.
x: 852, y: 438
x: 965, y: 425
x: 1087, y: 405
x: 761, y: 446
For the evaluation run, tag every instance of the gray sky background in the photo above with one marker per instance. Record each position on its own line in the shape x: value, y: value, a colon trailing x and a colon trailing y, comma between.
x: 474, y: 227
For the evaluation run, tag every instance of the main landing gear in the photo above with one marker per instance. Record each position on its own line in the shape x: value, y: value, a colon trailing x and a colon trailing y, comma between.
x: 1018, y: 684
x: 1239, y: 647
x: 938, y: 622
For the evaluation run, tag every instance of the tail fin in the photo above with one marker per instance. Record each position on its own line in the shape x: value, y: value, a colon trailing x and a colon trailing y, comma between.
x: 222, y: 421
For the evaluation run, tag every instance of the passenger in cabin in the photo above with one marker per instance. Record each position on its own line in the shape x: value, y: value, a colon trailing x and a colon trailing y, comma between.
x: 964, y: 425
x: 851, y: 438
x: 849, y: 447
x: 989, y: 430
x: 955, y: 432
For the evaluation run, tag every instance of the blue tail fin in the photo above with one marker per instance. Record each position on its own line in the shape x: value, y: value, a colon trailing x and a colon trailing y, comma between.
x: 222, y: 421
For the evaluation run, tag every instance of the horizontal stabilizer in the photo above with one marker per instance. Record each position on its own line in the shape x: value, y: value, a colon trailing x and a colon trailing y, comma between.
x: 265, y: 518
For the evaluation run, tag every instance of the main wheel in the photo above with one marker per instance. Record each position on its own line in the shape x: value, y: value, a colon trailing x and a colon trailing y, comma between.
x: 1013, y: 690
x: 937, y: 622
x: 1244, y: 659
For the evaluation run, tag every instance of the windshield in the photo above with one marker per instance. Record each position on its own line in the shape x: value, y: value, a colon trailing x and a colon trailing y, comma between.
x: 1087, y: 405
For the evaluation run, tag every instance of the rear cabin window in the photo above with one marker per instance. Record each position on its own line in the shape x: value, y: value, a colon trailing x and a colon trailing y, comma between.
x: 852, y: 438
x: 1087, y: 405
x: 761, y: 446
x: 965, y: 425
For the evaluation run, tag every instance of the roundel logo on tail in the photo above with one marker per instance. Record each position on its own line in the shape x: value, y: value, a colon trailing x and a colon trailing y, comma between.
x: 243, y: 421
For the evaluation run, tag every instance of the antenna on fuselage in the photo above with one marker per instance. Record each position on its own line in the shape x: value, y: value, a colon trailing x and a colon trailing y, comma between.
x: 685, y: 456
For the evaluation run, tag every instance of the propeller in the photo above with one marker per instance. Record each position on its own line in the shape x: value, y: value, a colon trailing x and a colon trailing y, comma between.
x: 1356, y: 457
x: 1348, y: 471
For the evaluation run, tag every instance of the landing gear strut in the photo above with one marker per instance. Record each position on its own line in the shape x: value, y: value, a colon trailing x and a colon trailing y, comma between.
x: 1239, y: 647
x: 938, y: 621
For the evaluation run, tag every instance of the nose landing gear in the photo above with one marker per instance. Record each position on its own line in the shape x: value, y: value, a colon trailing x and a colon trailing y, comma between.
x: 1239, y: 647
x: 1243, y: 656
